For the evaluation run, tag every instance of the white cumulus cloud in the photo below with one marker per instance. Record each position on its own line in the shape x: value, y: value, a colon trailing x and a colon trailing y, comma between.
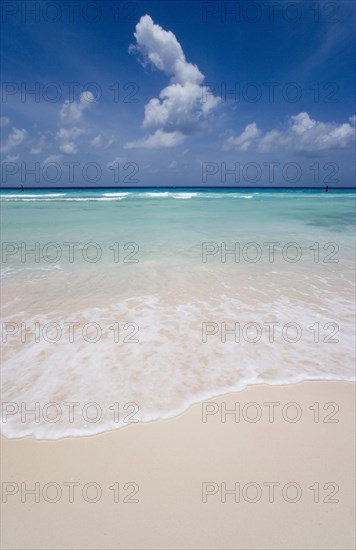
x: 181, y: 108
x: 72, y: 111
x: 302, y: 134
x: 14, y: 139
x: 244, y: 140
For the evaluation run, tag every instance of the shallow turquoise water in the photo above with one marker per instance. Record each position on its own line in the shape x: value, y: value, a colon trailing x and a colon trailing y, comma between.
x: 151, y: 217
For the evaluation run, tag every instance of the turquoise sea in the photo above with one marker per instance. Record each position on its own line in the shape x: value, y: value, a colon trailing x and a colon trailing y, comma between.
x: 164, y: 297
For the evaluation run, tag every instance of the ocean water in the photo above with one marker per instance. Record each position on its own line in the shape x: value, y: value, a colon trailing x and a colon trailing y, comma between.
x: 132, y: 304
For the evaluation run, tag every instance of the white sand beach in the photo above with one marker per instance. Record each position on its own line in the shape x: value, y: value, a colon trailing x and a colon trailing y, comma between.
x: 295, y: 471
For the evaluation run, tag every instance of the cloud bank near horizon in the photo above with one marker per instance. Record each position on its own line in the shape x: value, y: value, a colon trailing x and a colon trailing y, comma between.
x: 302, y: 134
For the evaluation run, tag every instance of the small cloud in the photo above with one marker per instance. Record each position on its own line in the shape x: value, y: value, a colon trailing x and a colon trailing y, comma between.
x: 69, y: 148
x: 14, y: 139
x: 116, y: 161
x: 72, y: 111
x: 100, y: 143
x: 37, y: 148
x: 13, y: 158
x: 52, y: 158
x: 67, y: 137
x: 4, y: 121
x: 172, y: 164
x: 159, y: 139
x: 110, y: 142
x: 97, y: 141
x: 243, y: 142
x: 70, y: 133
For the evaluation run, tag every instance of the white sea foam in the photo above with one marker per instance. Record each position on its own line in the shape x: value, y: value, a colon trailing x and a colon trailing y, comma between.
x: 94, y: 199
x: 243, y: 196
x: 72, y: 199
x: 123, y: 195
x: 170, y: 367
x: 184, y: 195
x: 35, y: 195
x: 180, y: 195
x: 154, y: 195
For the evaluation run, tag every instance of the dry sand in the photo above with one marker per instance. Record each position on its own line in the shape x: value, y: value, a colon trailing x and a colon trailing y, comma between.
x: 170, y: 460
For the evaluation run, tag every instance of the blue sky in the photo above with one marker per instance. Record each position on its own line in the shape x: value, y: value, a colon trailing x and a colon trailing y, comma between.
x: 182, y: 93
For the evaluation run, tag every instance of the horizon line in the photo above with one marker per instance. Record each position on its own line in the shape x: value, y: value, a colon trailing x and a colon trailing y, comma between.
x: 180, y: 187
